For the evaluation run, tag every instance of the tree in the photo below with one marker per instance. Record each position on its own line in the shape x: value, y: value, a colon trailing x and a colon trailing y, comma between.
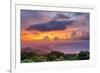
x: 83, y: 55
x: 70, y: 56
x: 39, y: 58
x: 55, y: 56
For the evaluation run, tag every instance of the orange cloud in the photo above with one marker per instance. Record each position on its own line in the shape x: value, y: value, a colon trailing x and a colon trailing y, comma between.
x: 66, y: 34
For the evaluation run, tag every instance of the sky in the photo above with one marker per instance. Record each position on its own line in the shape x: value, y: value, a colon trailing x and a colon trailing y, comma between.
x: 39, y: 25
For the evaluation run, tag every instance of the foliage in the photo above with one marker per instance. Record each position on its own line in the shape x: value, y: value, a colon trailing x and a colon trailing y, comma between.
x: 28, y: 57
x: 70, y: 57
x: 83, y: 55
x: 55, y: 56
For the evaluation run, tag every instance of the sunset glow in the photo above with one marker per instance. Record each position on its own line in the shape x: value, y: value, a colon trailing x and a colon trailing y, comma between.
x: 50, y: 35
x: 46, y: 31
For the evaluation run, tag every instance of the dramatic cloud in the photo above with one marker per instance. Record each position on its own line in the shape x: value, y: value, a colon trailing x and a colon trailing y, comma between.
x: 25, y: 14
x: 47, y: 31
x: 33, y: 17
x: 52, y: 25
x: 29, y: 17
x: 62, y: 16
x: 66, y: 25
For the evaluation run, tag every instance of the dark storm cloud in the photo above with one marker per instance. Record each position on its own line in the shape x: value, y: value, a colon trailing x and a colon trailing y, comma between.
x: 84, y: 14
x: 78, y: 13
x: 62, y: 16
x: 51, y: 25
x: 30, y: 14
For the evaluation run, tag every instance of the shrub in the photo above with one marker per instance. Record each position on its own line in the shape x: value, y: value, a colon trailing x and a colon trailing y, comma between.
x: 83, y: 55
